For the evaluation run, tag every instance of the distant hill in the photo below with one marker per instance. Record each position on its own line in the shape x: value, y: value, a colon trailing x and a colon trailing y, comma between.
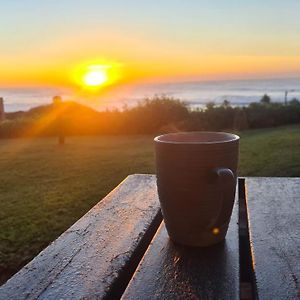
x: 47, y: 120
x: 68, y: 108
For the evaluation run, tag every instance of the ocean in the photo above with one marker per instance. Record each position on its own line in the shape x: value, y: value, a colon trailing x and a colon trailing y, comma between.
x: 195, y: 94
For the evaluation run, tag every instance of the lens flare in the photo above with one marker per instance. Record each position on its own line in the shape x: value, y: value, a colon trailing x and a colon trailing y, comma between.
x: 216, y: 231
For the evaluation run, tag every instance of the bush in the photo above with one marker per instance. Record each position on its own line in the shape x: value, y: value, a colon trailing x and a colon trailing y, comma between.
x: 151, y: 116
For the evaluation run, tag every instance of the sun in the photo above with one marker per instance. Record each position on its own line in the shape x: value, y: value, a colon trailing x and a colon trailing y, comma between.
x: 95, y: 77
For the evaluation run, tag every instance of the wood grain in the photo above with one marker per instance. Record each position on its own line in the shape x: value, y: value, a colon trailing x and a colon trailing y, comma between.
x: 274, y: 223
x: 170, y: 271
x: 92, y: 258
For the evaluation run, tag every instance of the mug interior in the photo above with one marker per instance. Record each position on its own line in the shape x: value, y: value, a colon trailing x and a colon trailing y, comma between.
x: 199, y: 137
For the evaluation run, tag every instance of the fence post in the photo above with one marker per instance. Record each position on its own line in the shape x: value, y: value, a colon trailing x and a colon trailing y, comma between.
x: 57, y: 102
x: 2, y: 113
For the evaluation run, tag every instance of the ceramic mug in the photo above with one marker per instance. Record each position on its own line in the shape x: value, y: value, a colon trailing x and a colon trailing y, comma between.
x: 196, y: 181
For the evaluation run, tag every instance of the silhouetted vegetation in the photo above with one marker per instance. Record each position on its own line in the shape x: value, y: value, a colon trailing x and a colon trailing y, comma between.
x: 153, y: 115
x: 265, y: 99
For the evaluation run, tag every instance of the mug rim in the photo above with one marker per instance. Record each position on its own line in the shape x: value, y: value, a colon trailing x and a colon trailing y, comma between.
x: 232, y: 138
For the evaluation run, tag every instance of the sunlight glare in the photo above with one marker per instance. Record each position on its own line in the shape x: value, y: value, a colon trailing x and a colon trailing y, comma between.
x: 95, y: 78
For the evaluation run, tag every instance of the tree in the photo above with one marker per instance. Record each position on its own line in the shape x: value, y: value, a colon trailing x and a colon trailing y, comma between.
x: 210, y: 105
x: 226, y: 104
x: 265, y: 99
x: 294, y: 102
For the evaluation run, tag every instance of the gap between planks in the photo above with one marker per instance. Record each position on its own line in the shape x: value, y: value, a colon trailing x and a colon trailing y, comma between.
x: 247, y: 280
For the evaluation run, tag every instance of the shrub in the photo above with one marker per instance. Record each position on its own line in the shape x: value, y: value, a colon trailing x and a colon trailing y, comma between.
x: 151, y: 116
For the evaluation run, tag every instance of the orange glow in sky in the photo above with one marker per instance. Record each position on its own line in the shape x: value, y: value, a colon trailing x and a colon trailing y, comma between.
x: 99, y: 44
x: 95, y: 76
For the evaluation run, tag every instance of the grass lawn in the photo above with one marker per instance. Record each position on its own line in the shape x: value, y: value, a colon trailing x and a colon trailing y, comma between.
x: 45, y: 188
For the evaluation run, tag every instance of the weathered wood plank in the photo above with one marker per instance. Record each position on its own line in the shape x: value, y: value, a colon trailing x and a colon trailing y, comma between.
x: 274, y: 223
x: 94, y: 256
x: 170, y: 271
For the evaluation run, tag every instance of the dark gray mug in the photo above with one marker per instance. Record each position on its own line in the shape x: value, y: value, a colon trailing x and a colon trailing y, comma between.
x: 196, y: 180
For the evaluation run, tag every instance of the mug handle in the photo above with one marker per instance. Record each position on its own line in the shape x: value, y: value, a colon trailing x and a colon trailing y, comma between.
x: 226, y: 180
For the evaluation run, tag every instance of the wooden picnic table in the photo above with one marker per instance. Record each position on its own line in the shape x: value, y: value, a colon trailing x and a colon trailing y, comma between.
x: 120, y: 249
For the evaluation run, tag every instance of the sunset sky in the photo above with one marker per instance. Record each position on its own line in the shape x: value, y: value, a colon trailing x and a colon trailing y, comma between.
x: 44, y: 42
